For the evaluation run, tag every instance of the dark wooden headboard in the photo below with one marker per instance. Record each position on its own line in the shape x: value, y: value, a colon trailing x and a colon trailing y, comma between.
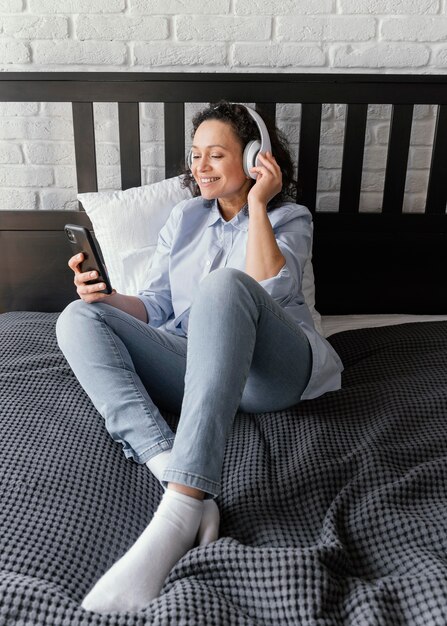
x: 387, y: 262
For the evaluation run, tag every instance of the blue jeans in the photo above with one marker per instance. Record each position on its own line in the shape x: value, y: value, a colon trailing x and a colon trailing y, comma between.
x: 243, y: 352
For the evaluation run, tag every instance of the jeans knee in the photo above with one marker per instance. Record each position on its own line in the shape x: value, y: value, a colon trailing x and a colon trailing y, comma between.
x: 68, y: 320
x: 223, y: 282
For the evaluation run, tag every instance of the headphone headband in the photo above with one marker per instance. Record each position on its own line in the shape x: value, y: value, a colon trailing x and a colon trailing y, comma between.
x: 266, y: 145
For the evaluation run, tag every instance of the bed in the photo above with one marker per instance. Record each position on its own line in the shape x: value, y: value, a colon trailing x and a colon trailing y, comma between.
x: 340, y: 516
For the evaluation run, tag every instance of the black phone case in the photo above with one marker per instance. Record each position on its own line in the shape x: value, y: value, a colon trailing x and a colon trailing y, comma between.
x: 81, y: 240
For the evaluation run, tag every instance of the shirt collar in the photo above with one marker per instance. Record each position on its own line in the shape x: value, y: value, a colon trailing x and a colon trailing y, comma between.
x: 239, y: 221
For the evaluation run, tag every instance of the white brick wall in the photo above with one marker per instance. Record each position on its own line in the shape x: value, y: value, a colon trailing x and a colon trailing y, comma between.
x: 36, y: 139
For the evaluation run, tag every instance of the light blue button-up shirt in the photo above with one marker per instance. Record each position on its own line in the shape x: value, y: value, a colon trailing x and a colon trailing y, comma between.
x: 196, y: 240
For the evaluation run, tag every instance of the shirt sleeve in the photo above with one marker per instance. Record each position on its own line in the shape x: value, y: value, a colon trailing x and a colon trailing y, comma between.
x: 156, y: 296
x: 294, y: 239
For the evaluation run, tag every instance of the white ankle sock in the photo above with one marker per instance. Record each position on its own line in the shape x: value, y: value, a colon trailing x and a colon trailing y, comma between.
x: 137, y: 578
x: 209, y: 525
x: 158, y: 463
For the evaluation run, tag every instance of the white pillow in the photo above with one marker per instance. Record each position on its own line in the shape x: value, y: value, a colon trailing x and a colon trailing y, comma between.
x: 309, y: 293
x: 127, y: 223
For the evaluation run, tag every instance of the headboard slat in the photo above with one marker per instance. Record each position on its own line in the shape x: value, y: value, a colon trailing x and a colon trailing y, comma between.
x: 85, y: 151
x: 208, y: 87
x: 267, y: 110
x: 397, y: 158
x: 353, y: 151
x: 309, y: 153
x: 437, y: 188
x: 129, y: 132
x: 174, y: 119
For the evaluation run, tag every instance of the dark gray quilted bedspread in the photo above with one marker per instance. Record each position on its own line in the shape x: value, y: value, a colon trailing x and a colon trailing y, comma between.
x: 333, y: 512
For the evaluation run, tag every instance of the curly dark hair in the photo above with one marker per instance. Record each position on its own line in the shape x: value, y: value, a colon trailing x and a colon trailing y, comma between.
x: 246, y: 130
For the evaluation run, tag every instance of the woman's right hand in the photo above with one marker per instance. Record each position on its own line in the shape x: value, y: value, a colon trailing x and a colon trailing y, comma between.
x: 88, y: 293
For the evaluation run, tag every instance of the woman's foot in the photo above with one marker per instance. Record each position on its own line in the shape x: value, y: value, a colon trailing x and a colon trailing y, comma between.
x: 137, y: 578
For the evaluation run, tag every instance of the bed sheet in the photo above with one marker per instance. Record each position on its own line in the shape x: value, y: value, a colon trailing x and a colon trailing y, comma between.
x: 333, y: 511
x: 339, y: 323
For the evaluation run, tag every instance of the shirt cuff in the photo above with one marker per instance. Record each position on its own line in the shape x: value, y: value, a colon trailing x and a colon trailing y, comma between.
x: 281, y: 287
x: 153, y: 312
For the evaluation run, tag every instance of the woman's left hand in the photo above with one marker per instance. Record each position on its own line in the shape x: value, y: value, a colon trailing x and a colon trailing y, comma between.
x: 268, y: 182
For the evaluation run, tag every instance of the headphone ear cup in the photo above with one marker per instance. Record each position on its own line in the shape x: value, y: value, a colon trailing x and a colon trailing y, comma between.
x: 251, y: 151
x: 189, y: 159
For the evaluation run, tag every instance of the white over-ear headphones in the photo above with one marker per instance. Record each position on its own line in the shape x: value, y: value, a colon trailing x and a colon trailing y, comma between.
x: 253, y: 148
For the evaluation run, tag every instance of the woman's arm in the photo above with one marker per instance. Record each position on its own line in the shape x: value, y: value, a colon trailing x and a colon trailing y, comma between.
x: 129, y: 304
x: 263, y: 256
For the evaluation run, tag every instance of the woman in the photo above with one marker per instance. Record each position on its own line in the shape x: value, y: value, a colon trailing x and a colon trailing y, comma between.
x: 222, y: 326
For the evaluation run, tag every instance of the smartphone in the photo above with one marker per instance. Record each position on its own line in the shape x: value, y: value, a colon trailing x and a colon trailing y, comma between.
x: 81, y: 240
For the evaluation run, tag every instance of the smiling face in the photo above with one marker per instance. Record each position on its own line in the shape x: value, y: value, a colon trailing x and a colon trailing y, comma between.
x: 217, y: 164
